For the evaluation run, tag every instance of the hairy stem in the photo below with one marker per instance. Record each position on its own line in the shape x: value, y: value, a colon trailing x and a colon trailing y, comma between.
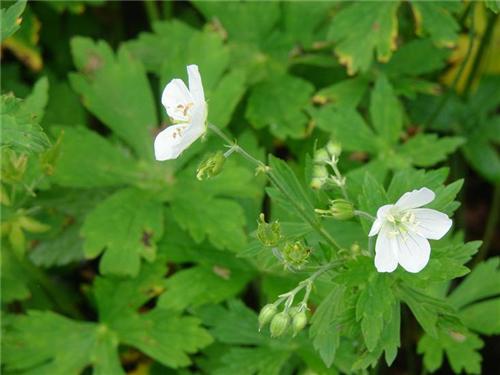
x: 269, y: 172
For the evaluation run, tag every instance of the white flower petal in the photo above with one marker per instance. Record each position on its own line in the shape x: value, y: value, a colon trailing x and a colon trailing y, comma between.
x: 431, y: 224
x: 377, y: 224
x: 415, y: 198
x: 413, y: 251
x: 170, y: 142
x: 177, y: 100
x: 195, y: 84
x: 385, y: 258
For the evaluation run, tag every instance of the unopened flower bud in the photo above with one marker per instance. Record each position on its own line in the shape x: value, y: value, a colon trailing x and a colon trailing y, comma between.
x: 334, y: 148
x: 268, y: 233
x: 279, y: 324
x: 211, y: 166
x: 295, y: 253
x: 299, y: 322
x: 320, y: 171
x: 321, y: 156
x: 266, y: 314
x: 341, y: 209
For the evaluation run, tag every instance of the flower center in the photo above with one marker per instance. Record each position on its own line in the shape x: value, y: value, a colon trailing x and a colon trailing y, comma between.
x: 402, y: 221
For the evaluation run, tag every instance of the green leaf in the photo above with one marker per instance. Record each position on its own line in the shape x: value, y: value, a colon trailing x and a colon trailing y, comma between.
x: 347, y: 127
x: 376, y: 31
x: 385, y: 111
x: 435, y: 20
x: 20, y: 125
x: 11, y: 18
x: 236, y: 324
x: 116, y: 90
x: 481, y: 149
x: 279, y: 104
x: 425, y: 150
x: 373, y: 308
x: 326, y: 325
x: 14, y: 278
x: 162, y: 335
x: 483, y: 282
x: 460, y: 346
x: 225, y: 97
x: 343, y: 94
x: 291, y: 190
x: 478, y: 317
x: 88, y: 160
x: 200, y: 285
x: 426, y: 309
x: 33, y: 343
x: 417, y: 57
x: 242, y: 21
x: 125, y: 227
x: 302, y: 21
x: 253, y: 361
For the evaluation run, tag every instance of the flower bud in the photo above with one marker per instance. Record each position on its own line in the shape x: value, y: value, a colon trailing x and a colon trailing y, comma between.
x: 295, y: 253
x: 211, y: 166
x: 268, y: 233
x: 299, y: 322
x: 266, y: 314
x: 320, y: 171
x: 321, y: 156
x: 334, y: 148
x: 279, y: 324
x: 341, y: 209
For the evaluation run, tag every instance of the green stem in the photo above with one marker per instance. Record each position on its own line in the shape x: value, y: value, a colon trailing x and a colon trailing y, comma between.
x: 485, y: 40
x: 307, y: 283
x: 269, y: 172
x: 491, y: 225
x: 151, y: 11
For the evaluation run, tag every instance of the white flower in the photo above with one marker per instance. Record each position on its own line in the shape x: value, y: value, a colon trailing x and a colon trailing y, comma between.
x: 403, y: 229
x: 188, y: 110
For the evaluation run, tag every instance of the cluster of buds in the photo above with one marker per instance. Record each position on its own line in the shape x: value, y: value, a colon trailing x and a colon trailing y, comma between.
x: 211, y: 166
x: 329, y: 155
x: 294, y: 318
x: 340, y: 209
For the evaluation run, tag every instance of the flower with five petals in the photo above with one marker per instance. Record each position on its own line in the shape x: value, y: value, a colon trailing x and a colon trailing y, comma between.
x: 403, y: 231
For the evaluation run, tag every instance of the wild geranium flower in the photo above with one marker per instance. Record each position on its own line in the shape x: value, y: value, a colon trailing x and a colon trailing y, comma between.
x: 404, y: 229
x: 188, y: 111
